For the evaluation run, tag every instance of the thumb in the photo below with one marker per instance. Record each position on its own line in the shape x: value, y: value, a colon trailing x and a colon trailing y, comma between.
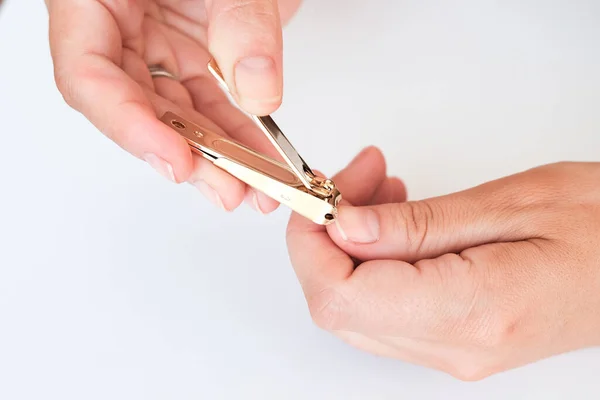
x: 245, y: 39
x: 417, y: 230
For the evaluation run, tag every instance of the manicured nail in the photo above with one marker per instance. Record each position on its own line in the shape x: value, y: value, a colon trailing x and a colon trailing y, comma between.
x: 160, y: 165
x: 252, y: 199
x: 256, y: 80
x: 358, y: 225
x: 340, y: 230
x: 210, y: 193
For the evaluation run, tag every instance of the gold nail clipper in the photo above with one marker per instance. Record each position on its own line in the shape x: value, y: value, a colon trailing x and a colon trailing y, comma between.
x: 294, y: 185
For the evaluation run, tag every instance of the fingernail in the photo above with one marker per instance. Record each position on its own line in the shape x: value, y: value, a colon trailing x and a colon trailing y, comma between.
x: 256, y: 80
x: 340, y: 230
x: 256, y: 203
x: 160, y: 165
x: 210, y: 193
x: 252, y: 198
x: 358, y: 225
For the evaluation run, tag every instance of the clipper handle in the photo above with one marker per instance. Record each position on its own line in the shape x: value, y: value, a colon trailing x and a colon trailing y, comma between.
x: 214, y: 146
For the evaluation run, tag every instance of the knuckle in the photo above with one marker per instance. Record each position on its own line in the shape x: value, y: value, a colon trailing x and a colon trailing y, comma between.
x: 484, y: 321
x: 326, y: 309
x: 494, y: 331
x: 415, y: 219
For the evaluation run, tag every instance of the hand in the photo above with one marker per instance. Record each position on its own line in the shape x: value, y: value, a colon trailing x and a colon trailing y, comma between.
x: 102, y: 49
x: 472, y: 283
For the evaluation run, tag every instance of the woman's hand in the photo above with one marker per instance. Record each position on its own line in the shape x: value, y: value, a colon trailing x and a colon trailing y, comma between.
x: 471, y: 283
x: 102, y: 49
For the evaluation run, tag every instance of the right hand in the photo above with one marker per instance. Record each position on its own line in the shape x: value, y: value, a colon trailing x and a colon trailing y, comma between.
x: 101, y: 50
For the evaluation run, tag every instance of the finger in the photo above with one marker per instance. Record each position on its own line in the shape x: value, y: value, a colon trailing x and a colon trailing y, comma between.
x: 391, y: 190
x: 259, y: 201
x: 287, y: 9
x: 320, y: 265
x: 415, y: 230
x: 173, y: 91
x: 246, y: 40
x: 159, y: 51
x: 220, y: 187
x: 189, y: 18
x: 212, y: 102
x: 134, y: 66
x: 209, y: 99
x: 88, y: 76
x: 357, y: 182
x: 362, y: 179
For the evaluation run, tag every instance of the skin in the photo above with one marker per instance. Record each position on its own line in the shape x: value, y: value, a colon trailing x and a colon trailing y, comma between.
x: 472, y: 283
x: 101, y: 49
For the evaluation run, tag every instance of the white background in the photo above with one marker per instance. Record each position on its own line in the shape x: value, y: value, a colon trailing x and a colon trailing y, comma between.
x: 116, y: 284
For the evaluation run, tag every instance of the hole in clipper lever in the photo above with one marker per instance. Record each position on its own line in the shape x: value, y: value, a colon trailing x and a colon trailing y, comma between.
x: 328, y: 217
x: 177, y: 124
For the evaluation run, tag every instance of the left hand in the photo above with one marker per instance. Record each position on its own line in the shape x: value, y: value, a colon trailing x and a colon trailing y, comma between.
x: 472, y: 283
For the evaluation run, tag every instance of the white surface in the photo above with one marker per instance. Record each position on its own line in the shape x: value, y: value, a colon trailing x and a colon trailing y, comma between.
x: 115, y: 284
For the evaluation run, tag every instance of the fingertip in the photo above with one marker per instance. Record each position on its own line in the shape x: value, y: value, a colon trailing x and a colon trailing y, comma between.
x: 137, y: 130
x: 216, y: 185
x: 260, y: 202
x: 359, y: 180
x: 224, y: 198
x: 399, y: 191
x: 181, y: 162
x: 376, y: 157
x: 232, y: 199
x: 391, y: 190
x: 373, y: 151
x: 210, y: 194
x: 267, y: 204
